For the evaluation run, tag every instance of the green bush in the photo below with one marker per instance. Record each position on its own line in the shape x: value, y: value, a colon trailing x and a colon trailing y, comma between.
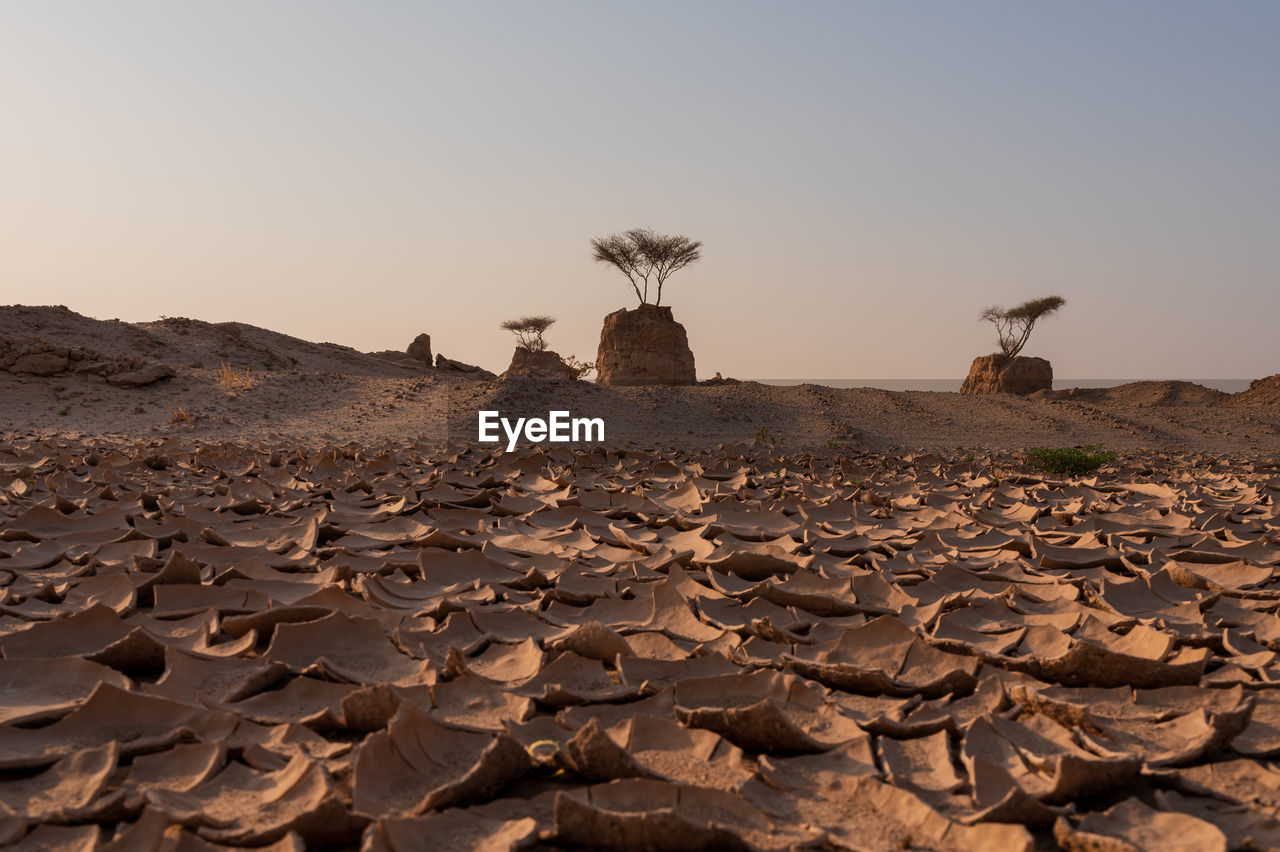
x: 1073, y: 461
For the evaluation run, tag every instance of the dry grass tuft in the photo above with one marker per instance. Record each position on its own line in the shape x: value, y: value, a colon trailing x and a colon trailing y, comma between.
x: 231, y: 379
x: 180, y: 415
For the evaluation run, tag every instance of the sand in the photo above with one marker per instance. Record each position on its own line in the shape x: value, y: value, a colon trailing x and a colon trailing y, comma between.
x: 298, y: 392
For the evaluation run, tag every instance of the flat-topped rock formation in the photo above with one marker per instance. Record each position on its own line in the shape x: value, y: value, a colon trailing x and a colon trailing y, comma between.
x: 539, y: 365
x: 998, y: 373
x: 644, y: 346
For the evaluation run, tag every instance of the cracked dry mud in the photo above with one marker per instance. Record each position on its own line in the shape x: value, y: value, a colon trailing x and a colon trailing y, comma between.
x: 215, y: 646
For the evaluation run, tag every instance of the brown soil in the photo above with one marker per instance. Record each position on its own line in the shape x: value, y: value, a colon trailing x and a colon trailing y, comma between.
x: 259, y: 644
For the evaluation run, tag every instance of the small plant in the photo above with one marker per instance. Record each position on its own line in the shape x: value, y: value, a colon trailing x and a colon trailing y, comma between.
x: 581, y: 369
x: 62, y: 412
x: 640, y: 254
x: 765, y: 436
x: 231, y: 379
x: 293, y: 360
x: 180, y: 415
x: 529, y: 331
x: 1013, y: 325
x: 1072, y: 461
x: 157, y: 341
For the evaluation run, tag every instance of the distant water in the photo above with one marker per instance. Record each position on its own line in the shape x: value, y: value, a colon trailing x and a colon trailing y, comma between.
x: 953, y: 385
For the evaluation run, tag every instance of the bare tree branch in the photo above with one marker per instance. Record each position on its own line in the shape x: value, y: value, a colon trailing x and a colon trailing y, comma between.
x: 1014, y: 325
x: 642, y: 255
x: 529, y: 331
x: 620, y: 253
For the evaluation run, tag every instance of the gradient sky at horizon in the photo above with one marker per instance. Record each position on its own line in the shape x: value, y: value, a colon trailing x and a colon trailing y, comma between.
x: 866, y: 176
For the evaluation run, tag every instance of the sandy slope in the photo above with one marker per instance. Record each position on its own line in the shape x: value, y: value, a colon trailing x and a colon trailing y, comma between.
x: 321, y: 392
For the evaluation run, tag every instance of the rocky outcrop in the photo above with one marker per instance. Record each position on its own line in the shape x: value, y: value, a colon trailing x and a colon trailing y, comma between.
x: 47, y: 363
x: 1141, y: 394
x: 1261, y: 392
x: 539, y: 365
x: 448, y: 364
x: 420, y: 349
x: 644, y: 346
x: 1001, y: 374
x: 148, y: 375
x: 33, y: 356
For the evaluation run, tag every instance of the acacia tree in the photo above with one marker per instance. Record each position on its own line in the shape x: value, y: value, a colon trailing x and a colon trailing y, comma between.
x: 529, y: 331
x: 1013, y: 325
x: 642, y: 256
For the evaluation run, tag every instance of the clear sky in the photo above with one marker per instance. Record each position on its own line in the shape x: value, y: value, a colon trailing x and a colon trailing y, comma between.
x: 866, y: 176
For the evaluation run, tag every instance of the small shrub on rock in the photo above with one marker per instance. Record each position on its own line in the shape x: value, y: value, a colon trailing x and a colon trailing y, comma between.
x: 529, y: 331
x: 581, y: 369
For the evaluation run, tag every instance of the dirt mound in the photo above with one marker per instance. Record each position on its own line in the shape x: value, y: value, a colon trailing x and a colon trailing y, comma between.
x: 189, y: 343
x: 240, y: 344
x: 1142, y: 394
x: 66, y: 328
x: 1261, y: 392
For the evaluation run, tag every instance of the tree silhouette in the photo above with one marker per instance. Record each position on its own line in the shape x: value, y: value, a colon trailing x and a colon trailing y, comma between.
x: 641, y: 255
x: 1013, y: 325
x: 529, y: 331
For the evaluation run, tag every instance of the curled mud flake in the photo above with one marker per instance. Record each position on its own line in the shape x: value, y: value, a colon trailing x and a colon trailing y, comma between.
x: 417, y: 765
x: 456, y: 828
x: 1131, y: 825
x: 281, y: 644
x: 641, y: 814
x: 352, y: 650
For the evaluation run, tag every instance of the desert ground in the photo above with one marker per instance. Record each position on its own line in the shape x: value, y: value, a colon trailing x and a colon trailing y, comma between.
x: 315, y: 394
x: 294, y: 604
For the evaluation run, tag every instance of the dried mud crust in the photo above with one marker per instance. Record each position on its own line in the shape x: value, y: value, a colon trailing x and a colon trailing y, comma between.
x: 232, y: 645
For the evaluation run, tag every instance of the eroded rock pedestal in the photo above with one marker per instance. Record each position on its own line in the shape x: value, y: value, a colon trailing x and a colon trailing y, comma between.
x: 1002, y: 374
x: 539, y: 365
x: 644, y: 346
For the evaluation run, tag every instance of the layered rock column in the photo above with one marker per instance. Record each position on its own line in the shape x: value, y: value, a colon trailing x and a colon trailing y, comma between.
x: 539, y: 365
x: 1001, y: 374
x: 644, y: 346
